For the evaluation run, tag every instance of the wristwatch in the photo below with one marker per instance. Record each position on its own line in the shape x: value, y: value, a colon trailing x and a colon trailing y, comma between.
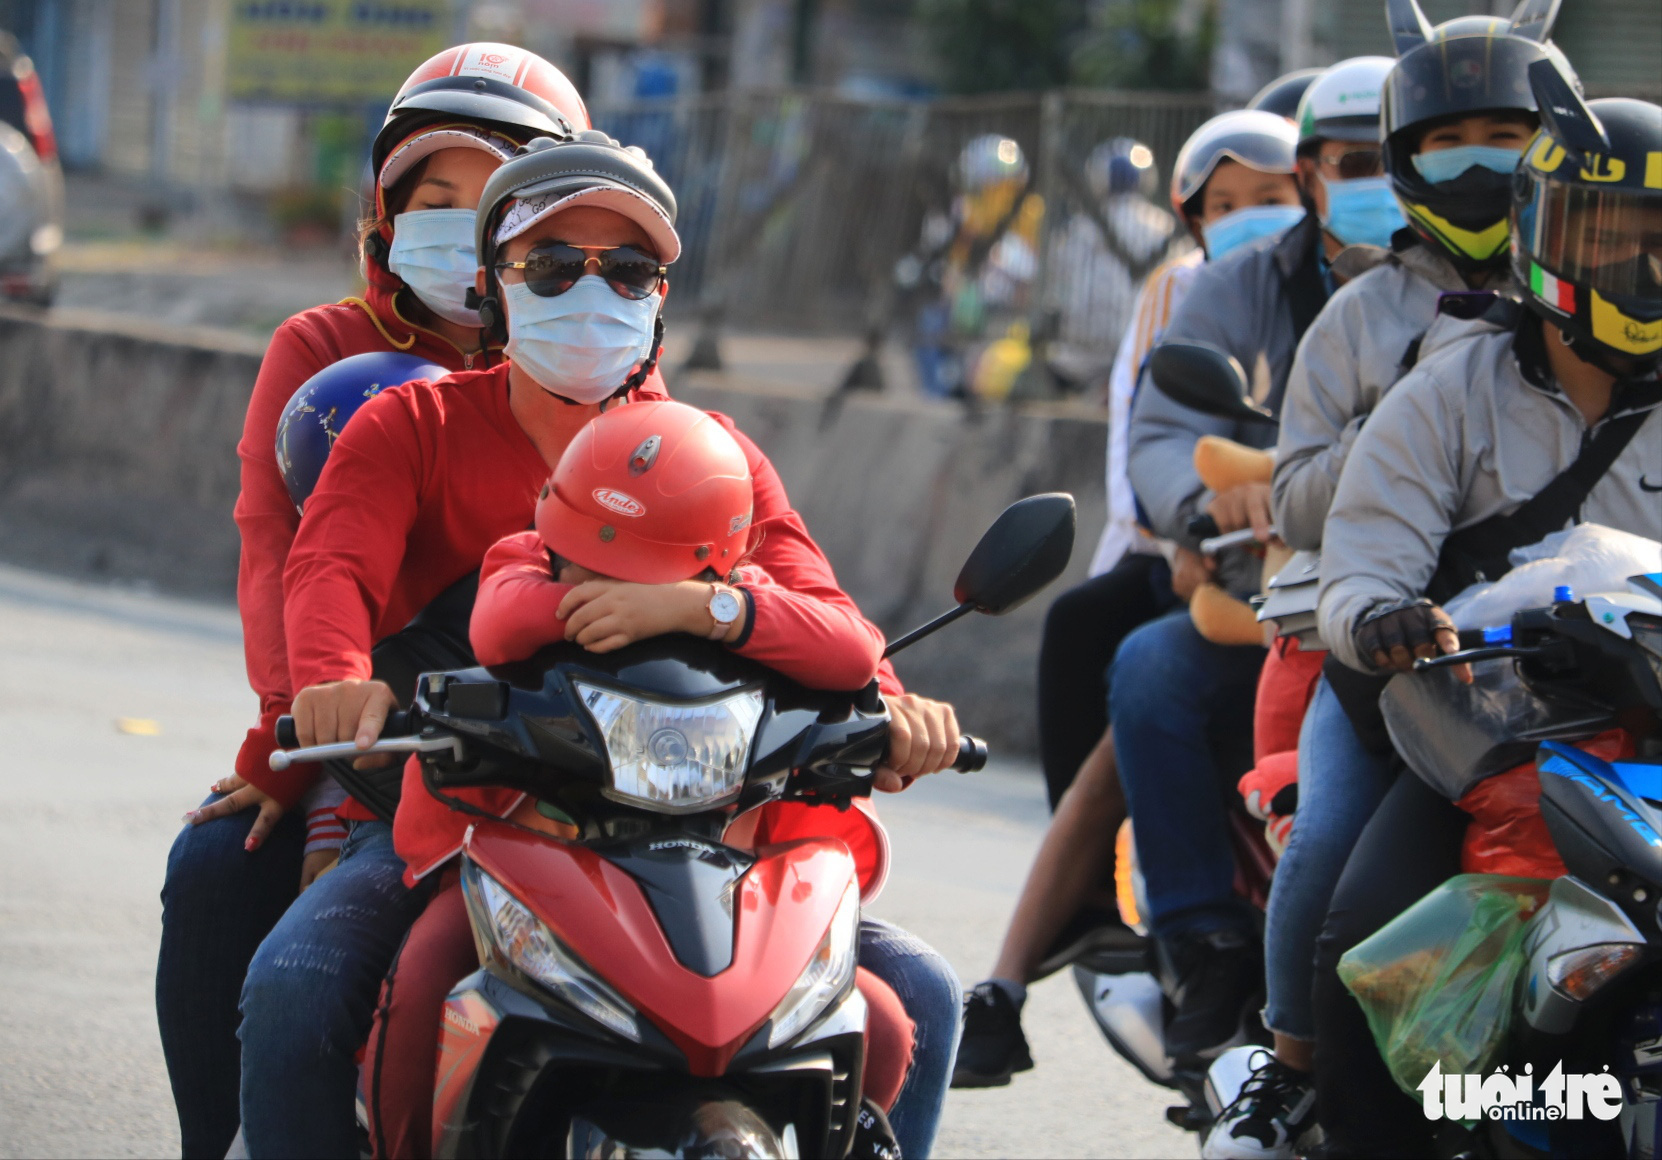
x: 725, y: 607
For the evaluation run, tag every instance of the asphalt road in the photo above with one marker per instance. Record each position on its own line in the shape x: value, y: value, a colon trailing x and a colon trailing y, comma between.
x: 89, y: 811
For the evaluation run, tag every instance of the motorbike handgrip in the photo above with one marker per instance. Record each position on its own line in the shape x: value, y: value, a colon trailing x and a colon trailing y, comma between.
x: 398, y: 724
x: 394, y: 739
x: 972, y: 754
x: 1203, y: 527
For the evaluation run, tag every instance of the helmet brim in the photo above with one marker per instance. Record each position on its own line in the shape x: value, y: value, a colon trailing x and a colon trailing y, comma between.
x: 543, y: 200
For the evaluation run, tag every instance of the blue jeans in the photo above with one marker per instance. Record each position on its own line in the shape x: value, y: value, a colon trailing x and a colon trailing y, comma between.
x: 1181, y: 710
x: 218, y: 902
x: 931, y: 994
x: 1340, y: 784
x: 309, y: 997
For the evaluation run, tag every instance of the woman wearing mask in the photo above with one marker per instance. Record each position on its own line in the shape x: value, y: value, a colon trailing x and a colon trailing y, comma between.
x: 574, y: 238
x: 233, y: 872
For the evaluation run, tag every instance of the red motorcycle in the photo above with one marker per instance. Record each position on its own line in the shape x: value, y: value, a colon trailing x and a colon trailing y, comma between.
x: 646, y: 988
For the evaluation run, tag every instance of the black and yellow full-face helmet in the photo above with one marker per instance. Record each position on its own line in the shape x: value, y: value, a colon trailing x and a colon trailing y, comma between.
x: 1474, y: 64
x: 1587, y: 224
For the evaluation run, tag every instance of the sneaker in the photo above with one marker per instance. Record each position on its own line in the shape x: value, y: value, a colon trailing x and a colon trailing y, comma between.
x: 1276, y: 1106
x: 1212, y: 980
x: 992, y: 1048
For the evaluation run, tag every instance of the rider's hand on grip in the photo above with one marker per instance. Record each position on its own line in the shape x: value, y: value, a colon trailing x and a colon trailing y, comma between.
x: 1393, y: 636
x: 923, y: 738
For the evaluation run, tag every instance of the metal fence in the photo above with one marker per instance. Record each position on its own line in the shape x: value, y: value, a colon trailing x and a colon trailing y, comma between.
x: 794, y: 206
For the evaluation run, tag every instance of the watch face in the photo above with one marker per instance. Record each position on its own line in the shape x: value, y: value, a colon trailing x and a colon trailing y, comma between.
x: 724, y: 606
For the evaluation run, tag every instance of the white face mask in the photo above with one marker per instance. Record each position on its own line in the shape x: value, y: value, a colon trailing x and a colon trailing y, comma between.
x: 432, y: 250
x: 580, y: 345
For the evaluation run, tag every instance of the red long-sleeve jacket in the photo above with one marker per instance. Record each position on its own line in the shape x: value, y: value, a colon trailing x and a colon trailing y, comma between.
x: 422, y: 482
x: 821, y: 641
x: 302, y: 346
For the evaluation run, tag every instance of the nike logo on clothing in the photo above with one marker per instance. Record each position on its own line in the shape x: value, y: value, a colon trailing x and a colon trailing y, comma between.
x: 1645, y: 485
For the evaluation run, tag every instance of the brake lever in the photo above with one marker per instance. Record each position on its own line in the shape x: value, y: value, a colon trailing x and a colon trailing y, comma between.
x: 282, y: 759
x: 1471, y: 656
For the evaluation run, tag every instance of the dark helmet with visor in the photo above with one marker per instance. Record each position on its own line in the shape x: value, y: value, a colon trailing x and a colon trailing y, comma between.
x: 1282, y: 95
x: 1474, y: 64
x: 1259, y: 140
x: 1587, y: 224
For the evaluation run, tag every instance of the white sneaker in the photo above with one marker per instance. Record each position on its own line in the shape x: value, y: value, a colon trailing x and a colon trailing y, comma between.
x: 1274, y: 1108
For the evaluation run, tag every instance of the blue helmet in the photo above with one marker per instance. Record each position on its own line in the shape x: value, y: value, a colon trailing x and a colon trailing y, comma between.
x: 319, y: 410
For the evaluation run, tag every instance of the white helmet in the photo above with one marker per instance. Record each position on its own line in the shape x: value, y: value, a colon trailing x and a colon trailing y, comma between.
x: 1343, y: 103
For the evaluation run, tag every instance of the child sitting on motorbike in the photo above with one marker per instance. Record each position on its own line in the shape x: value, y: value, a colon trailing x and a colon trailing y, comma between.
x: 642, y: 531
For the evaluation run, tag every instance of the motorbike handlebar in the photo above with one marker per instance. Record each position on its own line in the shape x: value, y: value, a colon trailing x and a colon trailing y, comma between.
x: 972, y: 754
x: 395, y: 738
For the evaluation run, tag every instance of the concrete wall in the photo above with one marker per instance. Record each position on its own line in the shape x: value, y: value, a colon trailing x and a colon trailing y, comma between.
x: 117, y: 459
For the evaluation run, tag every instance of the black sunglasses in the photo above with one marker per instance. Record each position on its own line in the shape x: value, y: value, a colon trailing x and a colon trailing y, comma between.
x: 554, y: 267
x: 1354, y: 163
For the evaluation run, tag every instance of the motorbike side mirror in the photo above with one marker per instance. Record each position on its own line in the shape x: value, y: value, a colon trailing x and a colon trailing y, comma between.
x: 1203, y: 378
x: 1027, y: 547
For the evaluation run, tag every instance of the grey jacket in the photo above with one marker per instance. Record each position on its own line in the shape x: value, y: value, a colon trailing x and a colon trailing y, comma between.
x: 1464, y: 436
x: 1240, y: 305
x: 1370, y: 332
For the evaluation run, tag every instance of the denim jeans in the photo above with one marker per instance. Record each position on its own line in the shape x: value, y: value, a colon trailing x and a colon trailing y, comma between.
x: 1181, y: 709
x: 309, y: 997
x: 930, y: 992
x: 218, y: 902
x: 1340, y: 784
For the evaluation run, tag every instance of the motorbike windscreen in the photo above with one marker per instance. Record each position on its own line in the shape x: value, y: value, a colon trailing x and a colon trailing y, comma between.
x: 1606, y: 239
x: 1453, y: 735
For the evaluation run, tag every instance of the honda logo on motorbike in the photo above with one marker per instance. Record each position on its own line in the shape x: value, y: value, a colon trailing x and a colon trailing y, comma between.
x: 613, y: 500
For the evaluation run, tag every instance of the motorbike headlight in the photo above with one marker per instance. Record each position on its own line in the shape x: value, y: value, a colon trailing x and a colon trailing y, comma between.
x: 524, y: 941
x: 675, y: 759
x: 826, y: 977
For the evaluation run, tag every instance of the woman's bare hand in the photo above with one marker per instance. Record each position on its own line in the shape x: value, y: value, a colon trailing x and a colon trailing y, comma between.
x: 239, y: 796
x: 603, y: 615
x: 316, y: 864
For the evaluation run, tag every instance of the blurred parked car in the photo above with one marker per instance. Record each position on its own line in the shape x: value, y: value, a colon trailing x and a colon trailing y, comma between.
x: 31, y: 182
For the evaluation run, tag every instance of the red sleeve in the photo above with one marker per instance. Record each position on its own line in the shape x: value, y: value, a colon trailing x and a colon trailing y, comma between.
x: 781, y: 545
x: 350, y: 547
x: 267, y: 520
x: 820, y: 643
x: 516, y: 611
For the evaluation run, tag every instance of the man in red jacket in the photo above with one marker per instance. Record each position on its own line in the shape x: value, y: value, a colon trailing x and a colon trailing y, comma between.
x: 425, y: 479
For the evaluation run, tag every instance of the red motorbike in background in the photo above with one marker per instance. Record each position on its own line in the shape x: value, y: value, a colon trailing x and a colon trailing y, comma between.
x: 645, y: 987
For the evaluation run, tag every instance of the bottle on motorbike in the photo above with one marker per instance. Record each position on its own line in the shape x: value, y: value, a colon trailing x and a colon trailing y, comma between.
x: 1571, y: 375
x: 1369, y: 334
x: 1221, y: 169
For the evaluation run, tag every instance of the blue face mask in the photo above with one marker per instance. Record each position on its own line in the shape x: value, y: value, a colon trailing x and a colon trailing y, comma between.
x: 1234, y: 230
x: 1446, y: 164
x: 580, y: 345
x: 432, y: 250
x: 1363, y: 211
